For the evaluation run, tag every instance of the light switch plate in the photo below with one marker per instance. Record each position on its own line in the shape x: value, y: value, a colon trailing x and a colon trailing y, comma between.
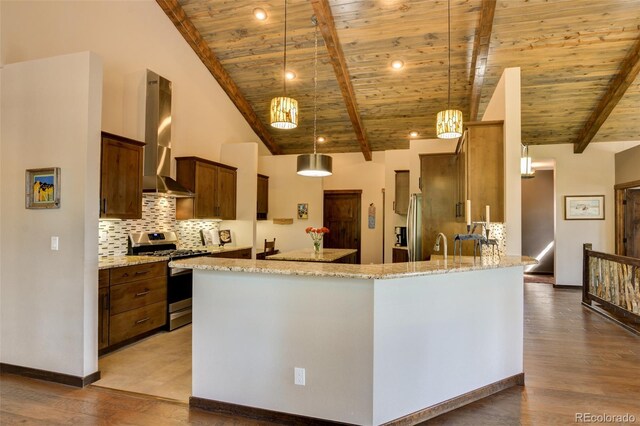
x: 54, y: 243
x: 299, y: 376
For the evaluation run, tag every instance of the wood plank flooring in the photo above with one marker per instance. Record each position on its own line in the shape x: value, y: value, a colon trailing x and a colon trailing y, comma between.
x: 575, y: 361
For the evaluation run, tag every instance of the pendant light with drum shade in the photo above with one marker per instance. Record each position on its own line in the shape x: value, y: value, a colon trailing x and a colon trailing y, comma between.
x: 315, y: 165
x: 449, y: 121
x: 284, y: 110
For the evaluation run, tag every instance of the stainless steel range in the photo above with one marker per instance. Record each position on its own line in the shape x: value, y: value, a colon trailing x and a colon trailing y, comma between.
x: 179, y: 281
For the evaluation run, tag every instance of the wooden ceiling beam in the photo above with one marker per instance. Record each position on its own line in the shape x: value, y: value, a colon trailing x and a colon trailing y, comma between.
x: 193, y: 37
x: 327, y: 27
x: 480, y: 54
x: 627, y: 73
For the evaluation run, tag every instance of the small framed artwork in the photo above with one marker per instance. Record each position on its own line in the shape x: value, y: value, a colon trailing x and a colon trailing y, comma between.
x: 225, y: 236
x: 584, y: 207
x: 42, y: 188
x: 303, y: 211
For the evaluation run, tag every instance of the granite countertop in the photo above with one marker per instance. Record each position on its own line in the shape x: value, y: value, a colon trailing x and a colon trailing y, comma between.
x: 309, y: 255
x: 119, y: 261
x: 379, y: 271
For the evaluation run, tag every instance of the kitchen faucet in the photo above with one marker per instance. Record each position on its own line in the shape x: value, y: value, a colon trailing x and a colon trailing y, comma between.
x: 436, y: 247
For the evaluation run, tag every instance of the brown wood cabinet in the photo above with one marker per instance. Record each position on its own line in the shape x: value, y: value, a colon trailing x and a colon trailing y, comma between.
x: 400, y: 255
x: 132, y: 302
x: 401, y: 203
x: 485, y: 169
x: 214, y: 185
x: 103, y: 308
x: 235, y: 254
x: 121, y: 177
x: 262, y: 208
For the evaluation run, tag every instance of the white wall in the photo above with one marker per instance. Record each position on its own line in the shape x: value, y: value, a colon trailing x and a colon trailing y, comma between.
x: 286, y: 190
x: 628, y: 165
x: 129, y: 36
x: 244, y: 156
x: 351, y: 171
x: 505, y: 105
x: 51, y: 118
x: 589, y: 173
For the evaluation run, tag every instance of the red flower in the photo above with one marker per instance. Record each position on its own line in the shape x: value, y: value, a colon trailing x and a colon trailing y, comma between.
x: 309, y: 229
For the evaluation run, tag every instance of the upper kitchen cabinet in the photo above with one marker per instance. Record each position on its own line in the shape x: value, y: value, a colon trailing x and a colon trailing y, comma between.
x: 214, y: 185
x: 263, y: 197
x: 121, y: 177
x: 485, y: 169
x: 401, y: 203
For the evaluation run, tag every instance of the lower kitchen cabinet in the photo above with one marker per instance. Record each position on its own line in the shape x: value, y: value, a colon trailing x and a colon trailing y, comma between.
x: 132, y: 302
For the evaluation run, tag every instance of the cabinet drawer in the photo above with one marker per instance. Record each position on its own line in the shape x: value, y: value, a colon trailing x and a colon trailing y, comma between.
x: 127, y: 296
x: 138, y: 272
x: 103, y: 278
x: 137, y: 321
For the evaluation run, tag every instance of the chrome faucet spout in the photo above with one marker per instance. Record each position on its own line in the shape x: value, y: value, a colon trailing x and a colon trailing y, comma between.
x: 436, y: 247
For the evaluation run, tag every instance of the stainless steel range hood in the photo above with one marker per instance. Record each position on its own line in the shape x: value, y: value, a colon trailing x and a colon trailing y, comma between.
x: 157, y: 152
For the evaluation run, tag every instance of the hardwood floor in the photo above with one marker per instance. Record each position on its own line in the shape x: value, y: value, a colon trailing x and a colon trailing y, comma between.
x: 575, y: 361
x: 159, y: 366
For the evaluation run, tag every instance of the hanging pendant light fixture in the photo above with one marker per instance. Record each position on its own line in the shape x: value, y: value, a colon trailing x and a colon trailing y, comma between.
x: 284, y: 110
x: 526, y: 171
x: 315, y: 165
x: 449, y: 121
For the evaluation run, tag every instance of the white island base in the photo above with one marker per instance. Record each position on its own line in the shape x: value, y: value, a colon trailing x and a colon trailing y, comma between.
x: 376, y: 348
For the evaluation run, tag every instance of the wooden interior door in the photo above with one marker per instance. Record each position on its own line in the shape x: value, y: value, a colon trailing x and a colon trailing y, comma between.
x: 632, y: 223
x: 342, y: 216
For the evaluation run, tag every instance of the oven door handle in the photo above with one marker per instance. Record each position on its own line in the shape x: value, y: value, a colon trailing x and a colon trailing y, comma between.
x: 173, y: 272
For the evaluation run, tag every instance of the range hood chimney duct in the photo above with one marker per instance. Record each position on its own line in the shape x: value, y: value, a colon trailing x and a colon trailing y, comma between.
x: 157, y: 152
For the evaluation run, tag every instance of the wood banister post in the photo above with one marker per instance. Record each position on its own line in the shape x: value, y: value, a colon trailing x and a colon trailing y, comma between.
x: 585, y: 273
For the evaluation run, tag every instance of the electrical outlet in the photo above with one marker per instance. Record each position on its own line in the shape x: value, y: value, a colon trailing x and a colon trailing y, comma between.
x: 298, y: 376
x: 54, y: 243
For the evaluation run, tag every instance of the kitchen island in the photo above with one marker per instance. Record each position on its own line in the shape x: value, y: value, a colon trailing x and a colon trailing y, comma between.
x: 378, y: 343
x: 326, y: 255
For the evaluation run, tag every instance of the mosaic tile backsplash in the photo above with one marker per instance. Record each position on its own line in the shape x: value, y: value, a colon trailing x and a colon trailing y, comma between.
x: 158, y: 214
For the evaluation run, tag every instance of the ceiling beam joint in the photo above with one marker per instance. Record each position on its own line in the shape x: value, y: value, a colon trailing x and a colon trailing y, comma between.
x: 629, y: 69
x: 327, y: 28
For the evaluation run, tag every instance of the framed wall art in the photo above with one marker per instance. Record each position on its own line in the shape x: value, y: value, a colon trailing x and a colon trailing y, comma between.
x: 42, y: 188
x: 584, y: 207
x: 303, y: 211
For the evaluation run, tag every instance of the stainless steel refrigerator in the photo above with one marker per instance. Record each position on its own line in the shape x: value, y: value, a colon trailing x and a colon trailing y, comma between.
x: 414, y: 227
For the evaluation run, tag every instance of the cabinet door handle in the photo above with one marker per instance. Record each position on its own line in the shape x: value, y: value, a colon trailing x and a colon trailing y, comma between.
x: 394, y: 206
x: 142, y: 320
x: 142, y: 293
x: 104, y: 205
x: 141, y: 272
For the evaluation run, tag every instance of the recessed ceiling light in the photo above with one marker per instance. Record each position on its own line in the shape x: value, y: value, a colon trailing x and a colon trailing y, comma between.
x: 397, y: 64
x: 260, y: 14
x: 321, y: 139
x: 413, y: 134
x: 290, y: 75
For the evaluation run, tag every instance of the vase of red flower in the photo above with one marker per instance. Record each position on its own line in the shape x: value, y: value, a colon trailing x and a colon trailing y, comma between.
x: 316, y: 235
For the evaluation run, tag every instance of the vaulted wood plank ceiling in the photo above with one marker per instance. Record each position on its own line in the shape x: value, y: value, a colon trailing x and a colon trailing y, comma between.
x: 568, y: 51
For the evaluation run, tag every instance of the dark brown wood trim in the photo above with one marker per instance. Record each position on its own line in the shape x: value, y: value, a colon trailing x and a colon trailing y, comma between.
x: 213, y: 163
x: 586, y: 248
x: 480, y: 54
x: 343, y: 191
x: 400, y: 171
x: 122, y: 139
x: 614, y: 257
x: 256, y: 413
x: 457, y: 402
x: 619, y: 195
x: 483, y: 123
x: 327, y: 27
x: 627, y: 185
x: 50, y: 376
x: 567, y: 287
x: 174, y: 11
x: 608, y: 316
x: 627, y: 73
x: 616, y: 309
x: 263, y: 176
